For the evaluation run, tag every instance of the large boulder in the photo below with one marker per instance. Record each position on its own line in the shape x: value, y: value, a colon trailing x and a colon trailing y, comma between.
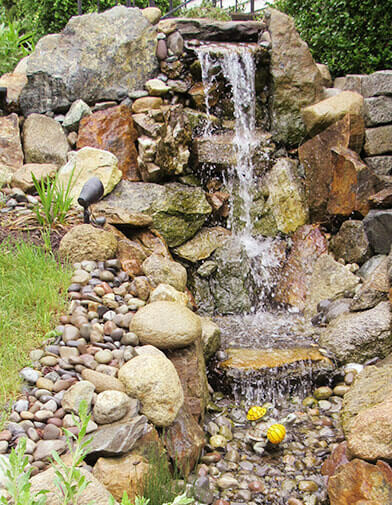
x: 319, y: 116
x: 360, y: 483
x: 337, y: 181
x: 86, y: 163
x: 360, y: 336
x: 308, y: 245
x: 68, y: 65
x: 123, y: 474
x: 86, y: 242
x: 152, y: 379
x: 166, y: 325
x: 44, y: 140
x: 178, y: 211
x: 112, y: 130
x: 11, y: 154
x: 330, y: 280
x: 366, y: 412
x: 159, y: 269
x: 296, y: 80
x: 95, y: 492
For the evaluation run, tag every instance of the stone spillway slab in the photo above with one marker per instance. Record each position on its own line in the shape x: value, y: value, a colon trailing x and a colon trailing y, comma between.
x: 257, y: 375
x: 221, y: 149
x: 260, y: 359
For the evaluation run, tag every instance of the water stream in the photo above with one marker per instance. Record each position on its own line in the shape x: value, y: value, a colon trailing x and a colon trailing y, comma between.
x: 263, y: 327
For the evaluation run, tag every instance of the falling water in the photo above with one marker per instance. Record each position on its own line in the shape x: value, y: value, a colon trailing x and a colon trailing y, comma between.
x: 238, y: 68
x: 260, y: 328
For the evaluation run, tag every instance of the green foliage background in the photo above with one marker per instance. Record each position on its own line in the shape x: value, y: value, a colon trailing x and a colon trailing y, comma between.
x: 350, y: 36
x: 50, y: 16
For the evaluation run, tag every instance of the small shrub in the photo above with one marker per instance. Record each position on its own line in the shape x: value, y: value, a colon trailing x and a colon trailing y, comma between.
x: 69, y: 479
x: 15, y: 43
x: 350, y: 36
x: 206, y: 10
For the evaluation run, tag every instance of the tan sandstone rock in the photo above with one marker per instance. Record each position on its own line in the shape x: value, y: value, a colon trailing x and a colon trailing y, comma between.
x: 85, y: 242
x: 166, y: 325
x: 154, y: 381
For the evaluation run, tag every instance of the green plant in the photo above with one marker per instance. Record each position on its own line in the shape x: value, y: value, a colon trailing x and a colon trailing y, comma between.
x: 56, y: 199
x: 50, y: 16
x: 69, y: 479
x: 18, y: 475
x: 206, y: 10
x: 15, y: 43
x: 350, y: 36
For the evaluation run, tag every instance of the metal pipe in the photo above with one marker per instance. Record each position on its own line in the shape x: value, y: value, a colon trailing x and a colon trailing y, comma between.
x: 80, y: 9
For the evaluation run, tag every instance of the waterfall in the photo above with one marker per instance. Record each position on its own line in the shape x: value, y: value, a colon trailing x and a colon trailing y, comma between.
x: 238, y: 68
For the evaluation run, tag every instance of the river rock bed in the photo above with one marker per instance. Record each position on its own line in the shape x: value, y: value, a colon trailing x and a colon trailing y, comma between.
x: 242, y: 466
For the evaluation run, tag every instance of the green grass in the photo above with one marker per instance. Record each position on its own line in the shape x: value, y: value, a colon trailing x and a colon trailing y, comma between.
x: 33, y: 287
x: 161, y: 484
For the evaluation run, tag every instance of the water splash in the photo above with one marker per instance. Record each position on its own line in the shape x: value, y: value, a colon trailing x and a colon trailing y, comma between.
x: 238, y: 68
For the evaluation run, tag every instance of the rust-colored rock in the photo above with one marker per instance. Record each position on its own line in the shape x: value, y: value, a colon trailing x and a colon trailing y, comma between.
x: 184, y: 441
x: 308, y: 245
x: 190, y: 365
x: 340, y: 456
x: 126, y: 473
x: 131, y: 255
x: 324, y: 161
x: 360, y: 483
x: 352, y: 184
x: 112, y: 130
x: 11, y: 154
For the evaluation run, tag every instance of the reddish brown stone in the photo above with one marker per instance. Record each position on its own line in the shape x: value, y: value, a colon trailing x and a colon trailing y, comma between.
x: 360, y: 483
x: 112, y: 130
x: 190, y: 365
x: 308, y: 245
x: 184, y: 441
x: 11, y: 153
x: 340, y: 456
x: 352, y: 184
x: 319, y: 158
